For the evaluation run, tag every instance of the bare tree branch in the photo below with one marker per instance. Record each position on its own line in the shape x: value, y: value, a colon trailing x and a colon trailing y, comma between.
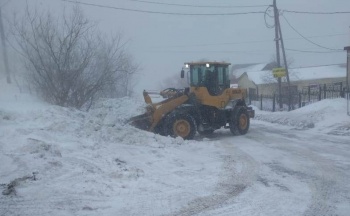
x: 68, y: 62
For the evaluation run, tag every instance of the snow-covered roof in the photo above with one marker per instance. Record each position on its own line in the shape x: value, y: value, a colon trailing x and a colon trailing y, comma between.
x: 297, y: 74
x: 321, y: 72
x: 260, y: 77
x: 252, y: 67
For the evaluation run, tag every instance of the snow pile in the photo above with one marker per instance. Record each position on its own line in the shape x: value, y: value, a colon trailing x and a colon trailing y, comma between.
x: 107, y: 122
x: 61, y: 161
x: 326, y: 116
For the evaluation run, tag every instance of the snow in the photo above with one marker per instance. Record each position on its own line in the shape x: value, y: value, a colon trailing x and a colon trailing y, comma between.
x: 93, y: 163
x: 254, y: 67
x: 259, y: 76
x: 321, y: 72
x: 326, y: 116
x: 13, y: 101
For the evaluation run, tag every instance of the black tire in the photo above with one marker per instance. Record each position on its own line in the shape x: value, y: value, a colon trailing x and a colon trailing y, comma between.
x: 240, y: 122
x: 180, y: 124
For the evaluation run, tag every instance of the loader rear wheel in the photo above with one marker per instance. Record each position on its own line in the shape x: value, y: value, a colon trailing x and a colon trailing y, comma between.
x: 182, y: 125
x: 240, y: 122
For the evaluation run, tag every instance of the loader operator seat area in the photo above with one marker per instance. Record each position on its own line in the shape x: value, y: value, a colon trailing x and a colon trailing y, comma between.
x: 212, y: 82
x: 214, y: 78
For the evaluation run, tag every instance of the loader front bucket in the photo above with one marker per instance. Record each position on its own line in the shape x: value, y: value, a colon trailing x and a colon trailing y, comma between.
x: 142, y: 122
x: 155, y: 112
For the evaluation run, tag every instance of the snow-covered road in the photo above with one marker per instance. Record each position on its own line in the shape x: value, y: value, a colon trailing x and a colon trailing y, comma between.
x: 278, y: 171
x: 93, y: 164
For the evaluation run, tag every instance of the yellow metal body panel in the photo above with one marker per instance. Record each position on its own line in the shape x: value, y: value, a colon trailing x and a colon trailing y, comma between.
x: 159, y: 110
x: 219, y: 101
x: 147, y: 98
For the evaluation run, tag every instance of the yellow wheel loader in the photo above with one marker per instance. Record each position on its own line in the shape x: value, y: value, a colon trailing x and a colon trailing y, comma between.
x: 208, y: 104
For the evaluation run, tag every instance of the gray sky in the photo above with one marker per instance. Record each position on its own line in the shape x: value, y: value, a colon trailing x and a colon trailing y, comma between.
x: 162, y: 43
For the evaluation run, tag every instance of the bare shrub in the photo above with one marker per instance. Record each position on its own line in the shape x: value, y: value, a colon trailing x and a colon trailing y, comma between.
x: 69, y: 62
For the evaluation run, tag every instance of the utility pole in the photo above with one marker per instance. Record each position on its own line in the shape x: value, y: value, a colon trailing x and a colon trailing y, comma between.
x: 277, y: 38
x: 347, y: 48
x: 347, y: 93
x: 4, y: 50
x: 285, y: 63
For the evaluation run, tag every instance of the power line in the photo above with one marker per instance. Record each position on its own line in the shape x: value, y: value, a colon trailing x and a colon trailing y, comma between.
x: 257, y: 52
x: 320, y: 36
x: 199, y: 6
x: 307, y: 38
x: 309, y: 51
x: 310, y: 12
x: 267, y: 14
x: 294, y: 68
x: 255, y: 41
x: 164, y: 13
x: 325, y: 65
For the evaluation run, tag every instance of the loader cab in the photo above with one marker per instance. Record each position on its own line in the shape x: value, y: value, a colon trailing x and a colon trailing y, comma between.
x: 212, y: 75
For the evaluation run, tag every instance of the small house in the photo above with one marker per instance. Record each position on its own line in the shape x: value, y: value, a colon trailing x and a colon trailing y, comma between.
x: 258, y: 78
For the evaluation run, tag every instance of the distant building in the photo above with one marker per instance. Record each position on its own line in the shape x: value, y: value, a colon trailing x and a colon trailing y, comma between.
x: 258, y: 78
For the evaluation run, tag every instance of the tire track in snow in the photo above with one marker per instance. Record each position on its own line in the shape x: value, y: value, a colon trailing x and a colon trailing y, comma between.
x: 238, y: 173
x: 66, y: 204
x: 325, y: 180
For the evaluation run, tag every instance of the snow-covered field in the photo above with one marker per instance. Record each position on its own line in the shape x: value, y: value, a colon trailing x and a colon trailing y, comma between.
x: 60, y: 161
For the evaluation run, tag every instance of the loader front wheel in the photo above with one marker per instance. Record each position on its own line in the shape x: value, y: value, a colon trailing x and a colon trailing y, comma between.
x: 182, y: 125
x: 240, y: 122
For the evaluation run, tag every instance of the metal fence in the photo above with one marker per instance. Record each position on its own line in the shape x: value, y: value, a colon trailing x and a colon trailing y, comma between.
x: 348, y: 102
x: 271, y: 102
x: 296, y: 100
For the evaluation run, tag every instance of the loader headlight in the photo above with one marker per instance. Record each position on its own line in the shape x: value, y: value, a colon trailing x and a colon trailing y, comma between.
x: 187, y: 66
x: 207, y: 65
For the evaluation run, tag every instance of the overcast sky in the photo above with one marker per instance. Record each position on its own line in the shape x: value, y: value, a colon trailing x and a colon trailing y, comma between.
x: 161, y: 43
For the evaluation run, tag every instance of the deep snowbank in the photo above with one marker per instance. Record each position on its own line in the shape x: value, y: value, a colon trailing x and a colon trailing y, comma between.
x: 93, y: 161
x: 326, y: 116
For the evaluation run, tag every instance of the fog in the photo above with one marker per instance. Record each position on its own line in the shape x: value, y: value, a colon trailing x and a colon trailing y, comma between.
x: 162, y: 42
